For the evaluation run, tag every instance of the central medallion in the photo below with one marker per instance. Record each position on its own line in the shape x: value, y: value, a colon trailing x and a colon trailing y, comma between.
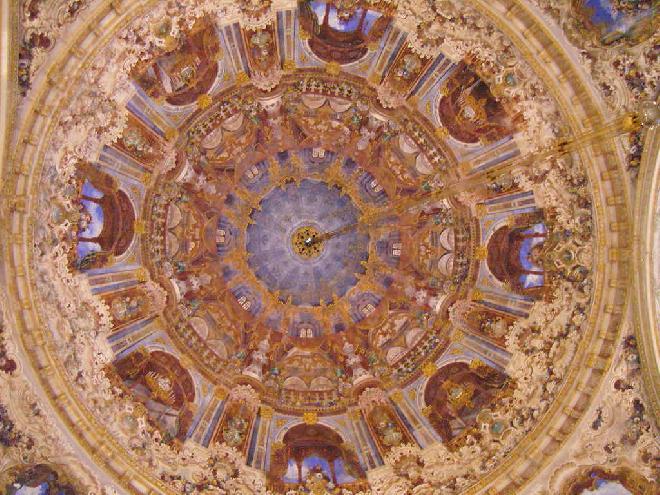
x: 306, y: 242
x: 285, y: 251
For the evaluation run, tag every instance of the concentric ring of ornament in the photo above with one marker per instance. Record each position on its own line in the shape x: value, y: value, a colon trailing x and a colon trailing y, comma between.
x: 225, y: 273
x: 306, y: 242
x: 283, y: 254
x: 31, y: 333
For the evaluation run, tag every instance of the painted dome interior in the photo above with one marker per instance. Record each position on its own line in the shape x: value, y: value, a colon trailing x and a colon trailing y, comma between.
x: 330, y: 247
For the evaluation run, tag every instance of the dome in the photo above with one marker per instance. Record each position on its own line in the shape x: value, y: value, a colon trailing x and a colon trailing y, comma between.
x: 329, y: 247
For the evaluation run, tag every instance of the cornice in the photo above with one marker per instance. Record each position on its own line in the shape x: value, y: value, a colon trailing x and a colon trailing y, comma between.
x: 645, y: 257
x: 9, y: 22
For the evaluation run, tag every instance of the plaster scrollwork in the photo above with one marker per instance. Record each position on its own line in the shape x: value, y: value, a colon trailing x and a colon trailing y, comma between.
x: 625, y: 69
x: 168, y: 162
x: 220, y: 468
x: 86, y: 370
x: 542, y: 345
x: 41, y: 26
x: 622, y: 433
x: 389, y: 98
x: 409, y: 470
x: 80, y: 328
x: 402, y: 473
x: 157, y: 295
x: 618, y: 430
x: 255, y: 14
x: 538, y: 355
x: 458, y: 31
x: 28, y: 435
x: 245, y: 394
x: 469, y: 199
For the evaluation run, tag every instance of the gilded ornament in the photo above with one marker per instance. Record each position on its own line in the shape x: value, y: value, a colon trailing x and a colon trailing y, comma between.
x: 289, y: 65
x: 459, y: 395
x: 374, y: 78
x: 631, y: 122
x: 429, y: 368
x: 481, y: 252
x: 481, y: 210
x: 413, y: 101
x: 333, y: 68
x: 160, y: 387
x: 171, y: 134
x: 204, y: 101
x: 242, y: 78
x: 465, y: 167
x: 139, y: 227
x: 355, y: 414
x: 310, y: 417
x: 266, y: 412
x: 170, y: 43
x: 477, y: 363
x: 397, y: 396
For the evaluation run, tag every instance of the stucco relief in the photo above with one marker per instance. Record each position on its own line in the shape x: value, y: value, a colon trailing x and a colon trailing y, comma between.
x: 497, y: 338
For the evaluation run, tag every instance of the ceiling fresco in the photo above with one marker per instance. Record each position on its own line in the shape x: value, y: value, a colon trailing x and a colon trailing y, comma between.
x: 343, y: 247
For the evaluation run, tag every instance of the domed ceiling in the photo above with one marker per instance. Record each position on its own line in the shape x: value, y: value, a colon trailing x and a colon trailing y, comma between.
x: 331, y: 248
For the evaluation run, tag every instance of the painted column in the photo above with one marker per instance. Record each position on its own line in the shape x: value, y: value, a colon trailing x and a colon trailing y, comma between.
x: 202, y: 429
x: 366, y: 446
x: 238, y: 418
x: 385, y: 426
x: 413, y: 418
x: 258, y: 451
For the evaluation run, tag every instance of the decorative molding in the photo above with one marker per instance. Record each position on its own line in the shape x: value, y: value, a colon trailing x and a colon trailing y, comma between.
x: 646, y: 266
